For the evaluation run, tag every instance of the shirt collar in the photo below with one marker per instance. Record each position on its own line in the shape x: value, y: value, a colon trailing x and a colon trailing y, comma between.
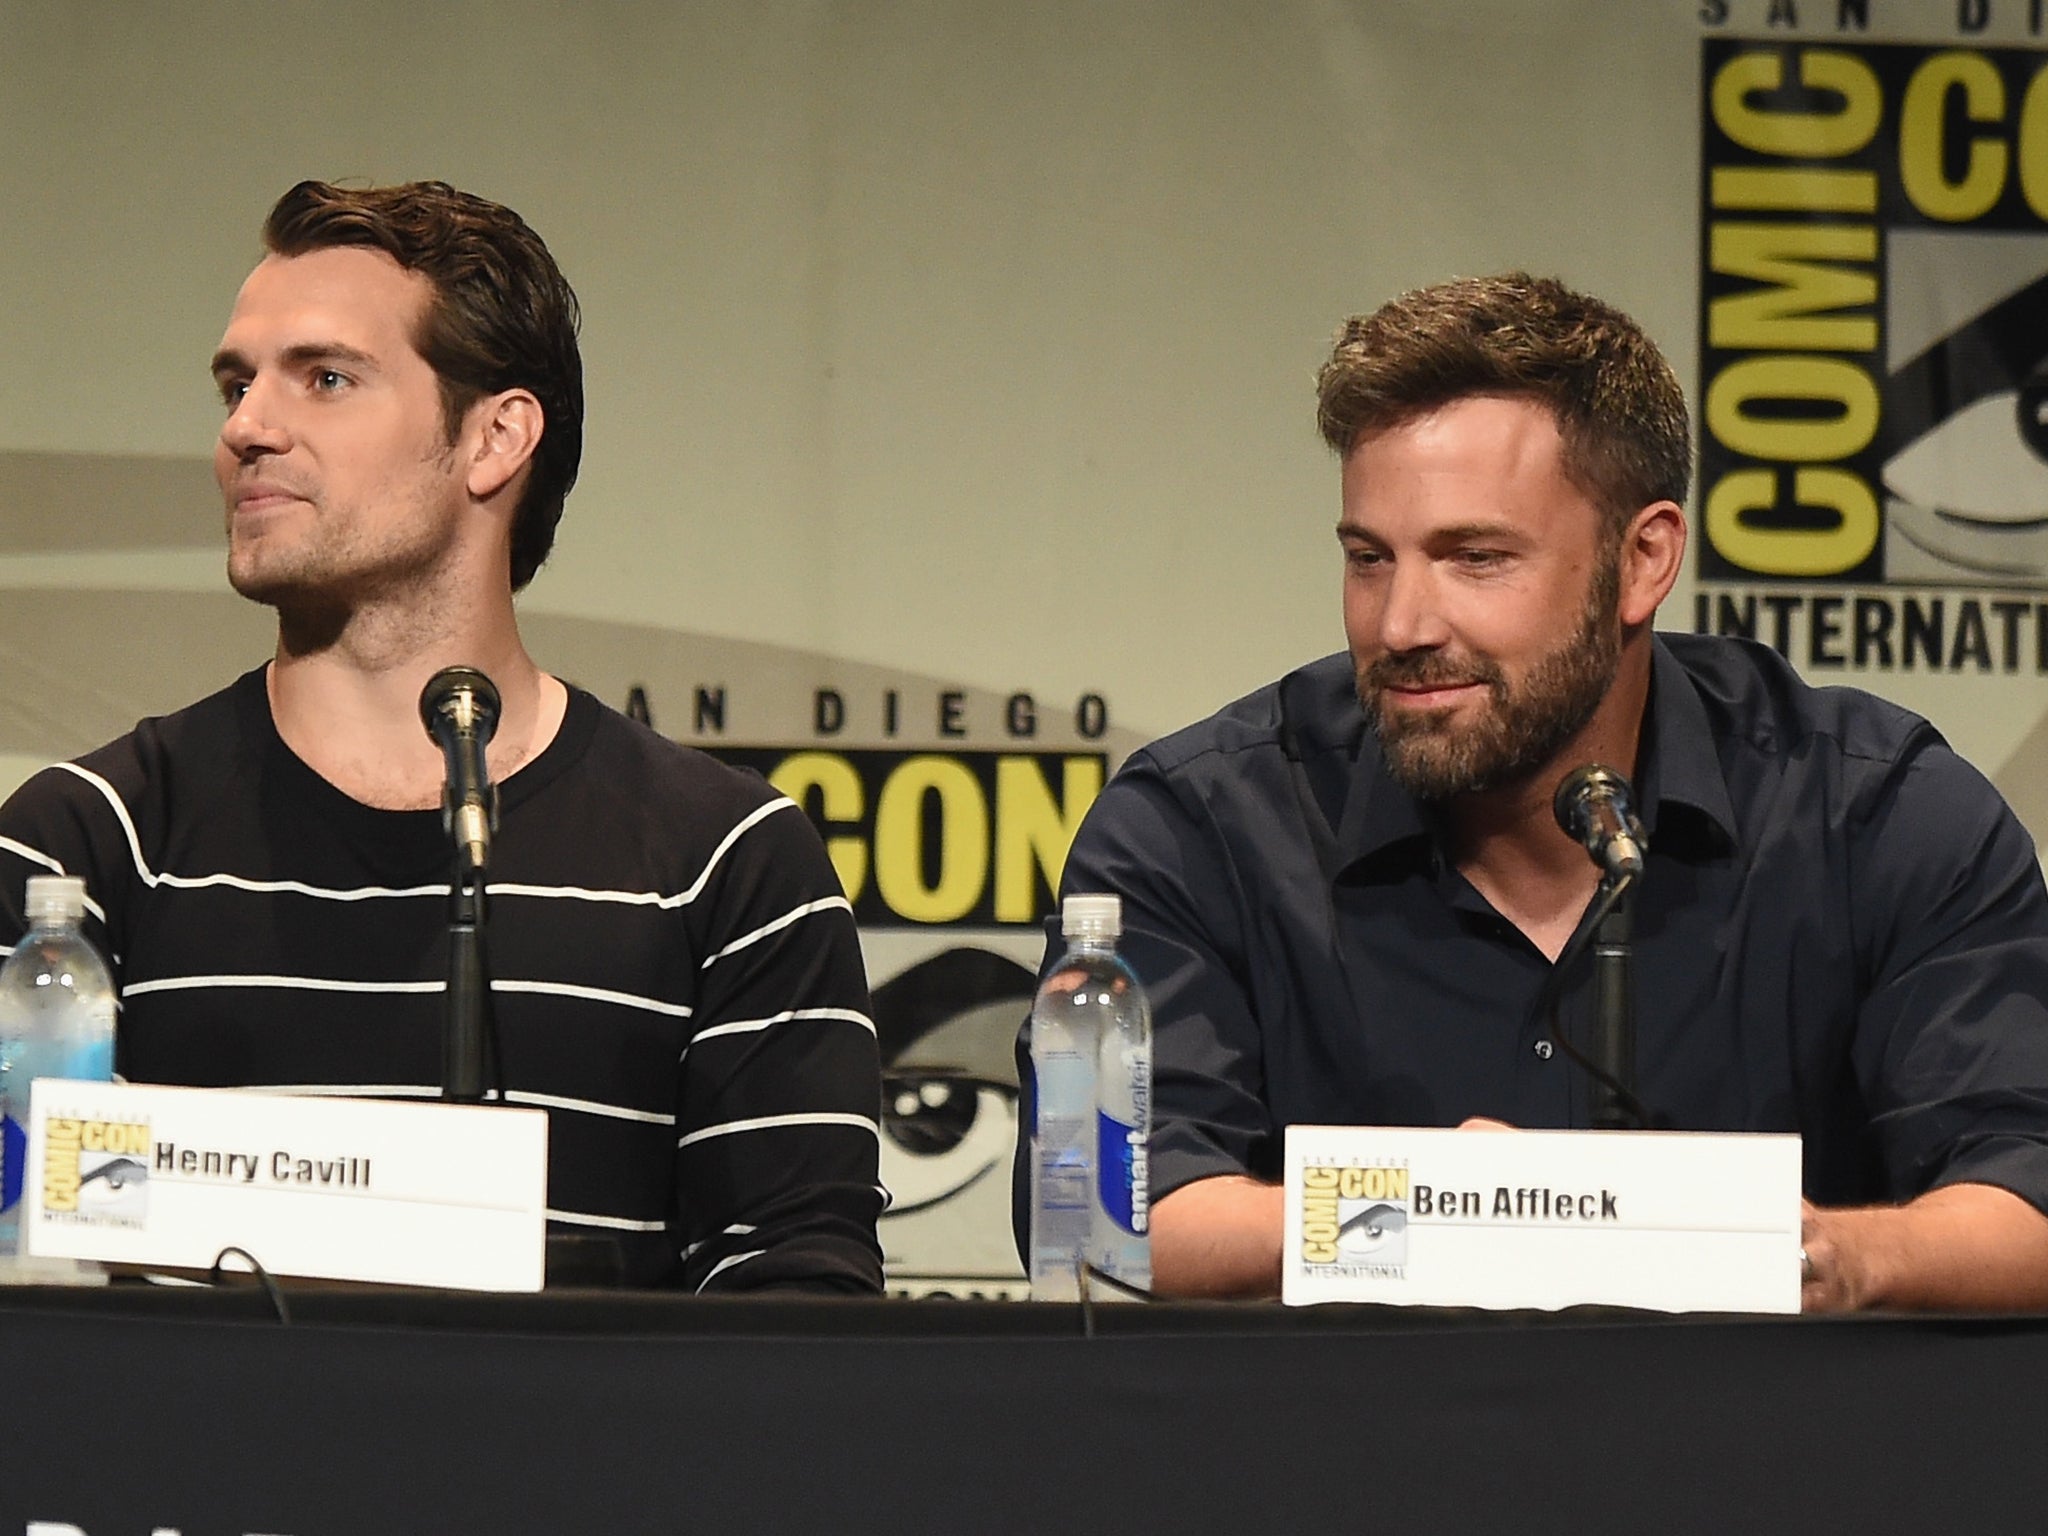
x: 1678, y: 768
x: 1380, y: 816
x: 1679, y: 764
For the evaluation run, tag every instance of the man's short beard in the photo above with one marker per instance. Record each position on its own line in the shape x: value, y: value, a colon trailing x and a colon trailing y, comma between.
x: 335, y: 570
x: 1525, y: 728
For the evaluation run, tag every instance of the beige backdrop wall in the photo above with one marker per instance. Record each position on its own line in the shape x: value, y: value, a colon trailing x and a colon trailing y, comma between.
x: 968, y: 337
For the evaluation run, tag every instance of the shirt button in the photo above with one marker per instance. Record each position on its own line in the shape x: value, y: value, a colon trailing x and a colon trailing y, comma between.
x: 1543, y: 1049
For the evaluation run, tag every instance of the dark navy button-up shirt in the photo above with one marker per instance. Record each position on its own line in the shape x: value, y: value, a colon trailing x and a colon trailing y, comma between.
x: 1842, y: 931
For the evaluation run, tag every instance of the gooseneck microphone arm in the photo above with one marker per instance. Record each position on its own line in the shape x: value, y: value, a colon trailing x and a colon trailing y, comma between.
x: 459, y: 707
x: 1596, y: 808
x: 1612, y: 1040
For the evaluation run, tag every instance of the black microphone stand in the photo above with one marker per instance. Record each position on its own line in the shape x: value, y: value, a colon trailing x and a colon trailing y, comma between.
x: 1593, y: 805
x: 459, y: 708
x: 467, y: 1026
x: 1611, y: 1044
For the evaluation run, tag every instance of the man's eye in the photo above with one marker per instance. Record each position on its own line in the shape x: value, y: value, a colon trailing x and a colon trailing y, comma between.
x: 232, y: 390
x: 326, y: 379
x: 1362, y: 559
x: 1480, y: 559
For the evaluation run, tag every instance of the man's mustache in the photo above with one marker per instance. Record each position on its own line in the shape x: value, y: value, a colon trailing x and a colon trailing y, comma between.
x: 1429, y: 669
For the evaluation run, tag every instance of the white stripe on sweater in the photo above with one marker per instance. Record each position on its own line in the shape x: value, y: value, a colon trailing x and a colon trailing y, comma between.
x: 656, y: 899
x: 772, y: 1122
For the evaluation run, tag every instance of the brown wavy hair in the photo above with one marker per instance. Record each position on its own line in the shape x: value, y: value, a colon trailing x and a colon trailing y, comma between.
x: 502, y: 317
x: 1618, y: 407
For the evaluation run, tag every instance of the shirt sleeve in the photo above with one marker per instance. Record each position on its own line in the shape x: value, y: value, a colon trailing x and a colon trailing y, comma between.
x: 1951, y: 1047
x: 778, y: 1144
x: 1150, y: 845
x: 58, y: 823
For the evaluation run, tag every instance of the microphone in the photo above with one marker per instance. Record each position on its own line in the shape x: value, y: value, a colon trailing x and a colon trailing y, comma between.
x: 459, y: 707
x: 1596, y: 807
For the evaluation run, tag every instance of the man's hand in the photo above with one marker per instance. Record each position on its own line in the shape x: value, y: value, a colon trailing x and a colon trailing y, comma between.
x: 1218, y: 1237
x: 1964, y: 1247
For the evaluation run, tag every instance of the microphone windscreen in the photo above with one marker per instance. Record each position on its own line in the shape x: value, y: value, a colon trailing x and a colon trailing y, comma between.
x: 450, y: 685
x: 1576, y: 790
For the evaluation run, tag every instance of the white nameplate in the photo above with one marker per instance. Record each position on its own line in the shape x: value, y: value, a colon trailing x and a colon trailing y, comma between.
x: 1674, y: 1222
x: 346, y: 1189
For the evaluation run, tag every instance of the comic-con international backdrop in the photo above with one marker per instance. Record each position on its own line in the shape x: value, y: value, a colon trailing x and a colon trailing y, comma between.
x: 949, y: 378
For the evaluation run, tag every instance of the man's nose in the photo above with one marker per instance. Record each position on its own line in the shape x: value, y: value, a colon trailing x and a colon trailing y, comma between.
x: 1412, y: 619
x: 254, y: 425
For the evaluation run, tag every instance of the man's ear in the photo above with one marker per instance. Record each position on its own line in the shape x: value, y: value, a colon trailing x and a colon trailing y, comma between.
x: 1652, y: 551
x: 506, y: 428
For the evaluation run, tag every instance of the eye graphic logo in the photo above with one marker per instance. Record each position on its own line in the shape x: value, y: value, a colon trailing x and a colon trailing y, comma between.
x: 1966, y: 412
x: 948, y: 1032
x: 1372, y: 1231
x: 113, y: 1185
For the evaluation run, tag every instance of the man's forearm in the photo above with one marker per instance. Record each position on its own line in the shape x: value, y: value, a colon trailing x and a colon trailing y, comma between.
x: 1964, y: 1247
x: 1218, y: 1237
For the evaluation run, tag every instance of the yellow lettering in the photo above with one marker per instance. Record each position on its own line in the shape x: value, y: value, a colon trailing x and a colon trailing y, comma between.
x: 101, y: 1136
x: 1825, y: 380
x: 1373, y: 1184
x: 1788, y: 314
x: 1793, y: 551
x: 2033, y: 144
x: 1033, y: 831
x: 61, y: 1141
x: 962, y: 842
x: 1795, y: 188
x: 1319, y: 1215
x: 1923, y: 147
x: 840, y: 799
x: 1799, y: 135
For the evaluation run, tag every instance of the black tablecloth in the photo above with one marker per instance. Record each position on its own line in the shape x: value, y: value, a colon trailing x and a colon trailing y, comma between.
x: 135, y: 1410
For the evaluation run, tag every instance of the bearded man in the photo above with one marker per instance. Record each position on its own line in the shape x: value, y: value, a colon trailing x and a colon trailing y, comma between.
x: 1346, y: 891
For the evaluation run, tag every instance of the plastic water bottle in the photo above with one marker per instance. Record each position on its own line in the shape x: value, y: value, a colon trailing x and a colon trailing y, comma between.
x: 56, y: 1020
x: 1091, y: 1057
x: 1122, y: 1245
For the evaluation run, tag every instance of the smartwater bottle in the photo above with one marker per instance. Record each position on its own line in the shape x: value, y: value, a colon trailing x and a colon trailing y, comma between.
x: 1122, y: 1246
x: 56, y: 1020
x: 1091, y: 1061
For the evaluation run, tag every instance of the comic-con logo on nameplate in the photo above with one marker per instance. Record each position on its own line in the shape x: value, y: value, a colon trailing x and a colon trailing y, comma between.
x: 95, y: 1172
x: 1873, y: 386
x: 1354, y: 1220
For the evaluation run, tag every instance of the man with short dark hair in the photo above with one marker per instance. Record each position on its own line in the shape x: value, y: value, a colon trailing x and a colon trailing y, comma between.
x: 1347, y: 890
x: 677, y: 979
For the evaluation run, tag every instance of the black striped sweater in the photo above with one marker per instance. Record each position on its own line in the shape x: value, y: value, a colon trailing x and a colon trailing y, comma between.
x: 676, y: 974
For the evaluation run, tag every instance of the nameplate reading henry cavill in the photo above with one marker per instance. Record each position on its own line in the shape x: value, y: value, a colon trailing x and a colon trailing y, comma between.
x: 1667, y: 1221
x: 346, y: 1189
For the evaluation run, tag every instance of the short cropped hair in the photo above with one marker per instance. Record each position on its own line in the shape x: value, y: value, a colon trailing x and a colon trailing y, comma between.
x: 1617, y: 404
x: 502, y: 316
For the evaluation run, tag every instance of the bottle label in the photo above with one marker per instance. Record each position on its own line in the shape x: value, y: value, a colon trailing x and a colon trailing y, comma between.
x: 13, y: 1159
x: 1126, y: 1174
